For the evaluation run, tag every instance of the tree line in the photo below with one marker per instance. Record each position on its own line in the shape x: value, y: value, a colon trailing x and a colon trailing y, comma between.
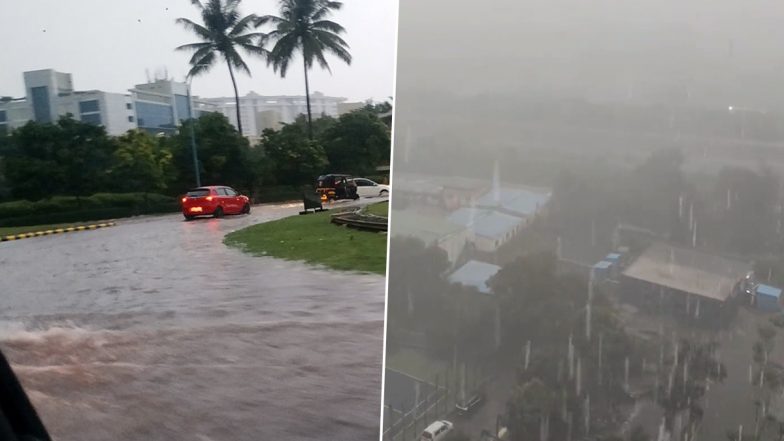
x: 68, y: 157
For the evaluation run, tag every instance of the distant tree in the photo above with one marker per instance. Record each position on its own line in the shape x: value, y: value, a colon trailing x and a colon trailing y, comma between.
x: 67, y: 157
x: 293, y: 157
x: 744, y: 202
x: 222, y: 33
x: 223, y: 154
x: 357, y: 143
x: 303, y: 27
x: 140, y: 165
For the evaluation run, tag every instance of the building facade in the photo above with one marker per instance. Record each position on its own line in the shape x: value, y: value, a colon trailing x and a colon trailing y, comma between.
x: 158, y: 106
x: 260, y: 112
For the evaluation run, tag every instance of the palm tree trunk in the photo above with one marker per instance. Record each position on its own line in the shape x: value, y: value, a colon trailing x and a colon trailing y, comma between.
x: 307, y: 97
x: 236, y: 97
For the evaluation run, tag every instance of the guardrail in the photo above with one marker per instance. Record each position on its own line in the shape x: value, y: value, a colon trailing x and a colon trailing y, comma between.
x: 357, y: 219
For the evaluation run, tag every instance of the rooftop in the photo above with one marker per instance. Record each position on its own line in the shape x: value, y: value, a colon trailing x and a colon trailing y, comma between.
x: 688, y: 270
x: 491, y: 224
x: 475, y: 274
x: 520, y: 201
x: 428, y: 228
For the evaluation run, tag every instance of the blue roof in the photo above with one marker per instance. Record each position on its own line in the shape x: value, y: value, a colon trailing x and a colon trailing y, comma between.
x: 768, y: 290
x: 518, y: 201
x: 613, y: 256
x: 603, y: 265
x: 487, y: 223
x: 476, y: 274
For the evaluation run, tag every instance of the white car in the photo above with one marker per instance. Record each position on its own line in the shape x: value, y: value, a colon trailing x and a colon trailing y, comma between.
x: 436, y: 431
x: 368, y: 189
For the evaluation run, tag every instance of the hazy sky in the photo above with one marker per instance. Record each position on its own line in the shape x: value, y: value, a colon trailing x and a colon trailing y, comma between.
x: 724, y: 52
x: 107, y: 45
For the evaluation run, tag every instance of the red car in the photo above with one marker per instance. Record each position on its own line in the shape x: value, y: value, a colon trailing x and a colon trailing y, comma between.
x: 214, y: 201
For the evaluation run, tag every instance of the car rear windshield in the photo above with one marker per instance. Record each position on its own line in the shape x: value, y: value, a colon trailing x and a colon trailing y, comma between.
x: 199, y: 192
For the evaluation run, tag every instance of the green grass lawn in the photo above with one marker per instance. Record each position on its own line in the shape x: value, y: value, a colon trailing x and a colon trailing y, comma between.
x: 8, y: 231
x: 378, y: 209
x: 313, y: 239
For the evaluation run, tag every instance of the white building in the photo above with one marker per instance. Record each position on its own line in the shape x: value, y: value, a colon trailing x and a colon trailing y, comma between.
x: 259, y: 112
x: 432, y: 230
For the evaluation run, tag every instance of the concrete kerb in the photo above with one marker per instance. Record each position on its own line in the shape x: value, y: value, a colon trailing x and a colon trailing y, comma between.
x: 50, y: 232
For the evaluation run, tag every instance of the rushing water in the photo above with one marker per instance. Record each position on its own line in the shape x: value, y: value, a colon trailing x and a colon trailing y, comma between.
x: 154, y: 330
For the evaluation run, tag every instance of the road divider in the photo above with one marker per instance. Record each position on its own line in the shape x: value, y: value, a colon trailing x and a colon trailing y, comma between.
x: 56, y: 231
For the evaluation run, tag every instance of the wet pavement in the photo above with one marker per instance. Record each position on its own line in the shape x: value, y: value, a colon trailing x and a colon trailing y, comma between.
x: 155, y: 330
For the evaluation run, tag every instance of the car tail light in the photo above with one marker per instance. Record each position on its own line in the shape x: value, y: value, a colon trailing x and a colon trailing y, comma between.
x: 209, y: 198
x: 184, y: 199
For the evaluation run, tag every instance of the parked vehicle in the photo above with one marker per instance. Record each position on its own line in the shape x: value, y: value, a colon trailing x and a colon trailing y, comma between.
x: 368, y: 189
x: 436, y: 431
x: 470, y: 404
x: 335, y: 186
x: 214, y: 201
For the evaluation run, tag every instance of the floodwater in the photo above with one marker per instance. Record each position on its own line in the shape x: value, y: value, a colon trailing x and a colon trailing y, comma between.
x: 155, y: 330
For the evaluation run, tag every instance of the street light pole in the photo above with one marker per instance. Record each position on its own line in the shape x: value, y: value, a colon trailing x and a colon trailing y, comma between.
x: 193, y: 135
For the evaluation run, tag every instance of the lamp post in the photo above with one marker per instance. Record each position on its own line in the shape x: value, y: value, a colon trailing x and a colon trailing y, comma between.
x: 193, y: 134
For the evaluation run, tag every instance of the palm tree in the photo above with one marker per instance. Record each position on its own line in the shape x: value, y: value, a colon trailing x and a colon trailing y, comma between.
x: 303, y: 27
x: 221, y: 34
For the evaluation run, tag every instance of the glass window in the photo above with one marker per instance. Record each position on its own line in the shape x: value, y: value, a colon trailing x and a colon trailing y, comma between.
x: 130, y: 119
x: 41, y: 110
x: 154, y: 116
x: 129, y: 106
x: 231, y: 192
x: 92, y: 118
x: 3, y: 117
x: 199, y: 193
x: 88, y: 106
x: 183, y: 112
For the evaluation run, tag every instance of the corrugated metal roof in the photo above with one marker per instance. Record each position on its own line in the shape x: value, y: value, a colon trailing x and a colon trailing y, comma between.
x: 524, y: 202
x: 428, y: 228
x: 768, y: 290
x: 475, y: 274
x: 487, y: 223
x: 688, y: 270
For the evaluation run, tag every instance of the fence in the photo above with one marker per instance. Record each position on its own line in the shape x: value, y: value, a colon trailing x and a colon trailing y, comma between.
x: 439, y: 399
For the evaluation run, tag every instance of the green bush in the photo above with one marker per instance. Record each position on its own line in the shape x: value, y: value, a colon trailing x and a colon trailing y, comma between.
x: 64, y: 209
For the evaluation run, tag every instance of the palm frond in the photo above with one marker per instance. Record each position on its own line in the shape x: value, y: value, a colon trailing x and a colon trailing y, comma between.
x: 334, y: 45
x: 197, y: 3
x: 327, y: 25
x: 193, y: 46
x: 271, y: 19
x: 325, y: 9
x: 243, y: 25
x: 200, y: 54
x: 282, y: 53
x: 203, y: 65
x: 200, y: 30
x: 235, y: 59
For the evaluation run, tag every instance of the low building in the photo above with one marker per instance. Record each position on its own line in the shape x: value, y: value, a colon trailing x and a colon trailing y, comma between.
x: 523, y: 202
x: 476, y: 275
x: 683, y: 279
x: 432, y: 230
x: 489, y: 229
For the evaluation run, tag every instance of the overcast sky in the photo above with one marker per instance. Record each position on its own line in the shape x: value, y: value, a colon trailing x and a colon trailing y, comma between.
x: 107, y: 45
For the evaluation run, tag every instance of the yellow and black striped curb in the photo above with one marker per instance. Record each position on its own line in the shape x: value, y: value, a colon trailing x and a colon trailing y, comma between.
x: 56, y: 231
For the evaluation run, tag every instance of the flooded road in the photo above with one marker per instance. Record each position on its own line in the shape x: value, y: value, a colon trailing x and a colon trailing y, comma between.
x: 155, y: 330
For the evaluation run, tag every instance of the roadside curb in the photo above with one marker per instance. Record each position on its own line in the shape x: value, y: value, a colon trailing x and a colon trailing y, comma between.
x: 56, y: 231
